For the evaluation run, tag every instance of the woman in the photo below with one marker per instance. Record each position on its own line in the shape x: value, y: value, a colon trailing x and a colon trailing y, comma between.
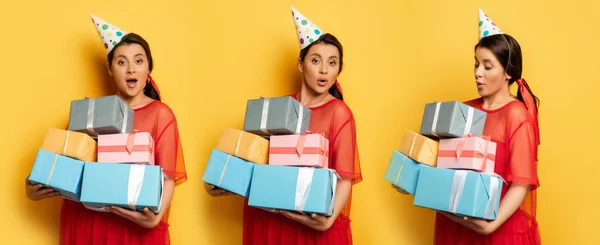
x: 129, y: 63
x: 320, y: 62
x: 513, y: 124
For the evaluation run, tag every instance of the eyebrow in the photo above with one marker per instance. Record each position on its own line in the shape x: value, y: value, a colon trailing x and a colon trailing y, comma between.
x: 121, y: 55
x: 485, y: 60
x: 331, y: 57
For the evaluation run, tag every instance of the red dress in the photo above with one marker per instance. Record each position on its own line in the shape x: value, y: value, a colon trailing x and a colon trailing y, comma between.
x: 335, y: 120
x: 512, y: 128
x: 79, y: 225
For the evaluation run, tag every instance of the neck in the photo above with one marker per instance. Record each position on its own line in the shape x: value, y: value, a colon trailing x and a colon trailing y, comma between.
x: 497, y: 99
x: 310, y: 98
x: 135, y: 101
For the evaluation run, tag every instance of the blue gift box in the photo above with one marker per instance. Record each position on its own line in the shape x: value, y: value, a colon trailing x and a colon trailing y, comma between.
x: 228, y: 172
x: 403, y: 172
x: 60, y: 173
x: 306, y: 190
x: 461, y: 192
x: 131, y: 186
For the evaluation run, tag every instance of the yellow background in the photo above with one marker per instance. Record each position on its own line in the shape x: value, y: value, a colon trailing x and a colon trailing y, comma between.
x: 211, y: 56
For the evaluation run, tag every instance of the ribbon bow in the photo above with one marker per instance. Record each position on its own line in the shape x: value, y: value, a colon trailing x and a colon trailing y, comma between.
x: 531, y: 108
x: 461, y: 145
x: 302, y: 141
x: 130, y: 141
x: 154, y: 85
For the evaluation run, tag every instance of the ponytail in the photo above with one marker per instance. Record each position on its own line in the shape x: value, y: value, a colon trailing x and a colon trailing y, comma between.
x: 531, y: 103
x: 151, y: 92
x: 336, y: 92
x: 536, y: 100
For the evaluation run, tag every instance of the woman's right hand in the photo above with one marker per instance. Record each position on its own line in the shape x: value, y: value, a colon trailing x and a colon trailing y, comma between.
x: 216, y: 191
x: 35, y: 193
x: 400, y: 190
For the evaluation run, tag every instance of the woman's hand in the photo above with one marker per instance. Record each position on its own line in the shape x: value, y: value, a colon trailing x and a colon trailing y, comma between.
x: 480, y: 226
x: 315, y: 221
x: 36, y: 193
x: 216, y: 191
x: 146, y: 219
x: 400, y: 190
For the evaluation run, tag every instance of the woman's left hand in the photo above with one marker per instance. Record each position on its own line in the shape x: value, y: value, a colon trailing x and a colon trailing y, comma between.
x: 481, y: 226
x: 146, y: 219
x: 315, y: 221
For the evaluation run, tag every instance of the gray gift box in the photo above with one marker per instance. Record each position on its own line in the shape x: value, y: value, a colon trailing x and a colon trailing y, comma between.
x: 104, y: 115
x: 280, y: 116
x: 453, y: 120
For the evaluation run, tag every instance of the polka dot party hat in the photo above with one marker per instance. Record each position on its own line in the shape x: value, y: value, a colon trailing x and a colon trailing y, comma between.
x: 109, y: 34
x: 487, y: 26
x: 307, y: 31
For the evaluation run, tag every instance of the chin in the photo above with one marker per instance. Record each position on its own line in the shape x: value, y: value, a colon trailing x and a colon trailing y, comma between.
x: 130, y: 92
x: 482, y: 93
x: 321, y: 90
x: 317, y: 89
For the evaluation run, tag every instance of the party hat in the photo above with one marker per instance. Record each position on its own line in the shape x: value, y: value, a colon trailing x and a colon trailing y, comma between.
x: 110, y: 35
x: 487, y: 26
x: 306, y: 30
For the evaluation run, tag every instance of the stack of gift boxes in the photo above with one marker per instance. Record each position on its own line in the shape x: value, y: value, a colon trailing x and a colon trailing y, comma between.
x: 100, y: 160
x: 449, y: 165
x: 275, y: 162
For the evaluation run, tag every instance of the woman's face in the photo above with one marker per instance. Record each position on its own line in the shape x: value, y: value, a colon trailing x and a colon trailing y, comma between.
x: 130, y: 69
x: 320, y: 67
x: 490, y: 75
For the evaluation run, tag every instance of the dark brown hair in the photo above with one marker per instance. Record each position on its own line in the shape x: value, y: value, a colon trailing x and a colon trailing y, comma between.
x: 133, y: 38
x: 508, y: 52
x: 331, y: 40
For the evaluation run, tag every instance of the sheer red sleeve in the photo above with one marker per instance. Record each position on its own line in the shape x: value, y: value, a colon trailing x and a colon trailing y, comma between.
x: 345, y: 158
x: 522, y: 148
x: 169, y: 153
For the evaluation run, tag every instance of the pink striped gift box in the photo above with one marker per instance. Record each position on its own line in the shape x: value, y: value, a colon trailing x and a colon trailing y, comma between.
x: 134, y: 148
x: 472, y: 153
x: 306, y: 150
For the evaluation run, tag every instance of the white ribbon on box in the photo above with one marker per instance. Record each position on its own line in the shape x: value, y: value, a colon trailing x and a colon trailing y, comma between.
x: 90, y: 117
x: 458, y: 184
x: 468, y: 123
x: 436, y: 115
x: 125, y: 117
x: 223, y: 171
x: 493, y: 197
x: 265, y: 114
x: 134, y: 186
x: 64, y: 151
x: 300, y: 118
x: 305, y: 176
x: 162, y: 192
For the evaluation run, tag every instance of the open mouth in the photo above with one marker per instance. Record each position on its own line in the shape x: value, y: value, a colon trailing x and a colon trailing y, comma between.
x: 131, y: 83
x: 322, y: 83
